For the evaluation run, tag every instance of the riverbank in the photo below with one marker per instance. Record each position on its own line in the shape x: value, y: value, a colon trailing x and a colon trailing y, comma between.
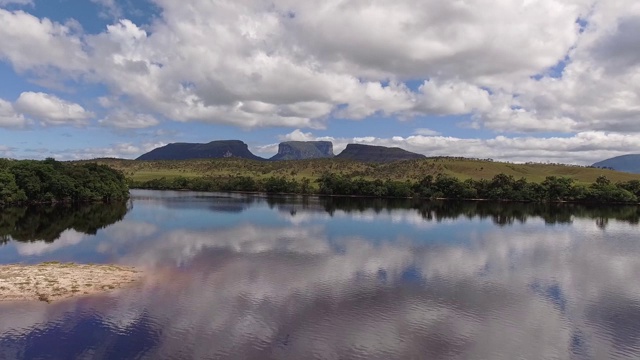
x: 54, y: 281
x: 500, y: 188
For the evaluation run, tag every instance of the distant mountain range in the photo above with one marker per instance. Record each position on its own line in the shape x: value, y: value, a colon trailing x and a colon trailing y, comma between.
x: 627, y: 163
x: 380, y: 154
x: 290, y: 150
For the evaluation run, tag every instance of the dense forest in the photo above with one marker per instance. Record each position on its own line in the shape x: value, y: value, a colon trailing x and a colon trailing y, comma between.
x: 49, y: 181
x: 501, y: 187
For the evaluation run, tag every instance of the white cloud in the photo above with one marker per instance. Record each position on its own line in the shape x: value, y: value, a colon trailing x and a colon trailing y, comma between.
x: 125, y: 150
x: 300, y: 64
x: 583, y: 148
x: 6, y: 151
x: 269, y: 149
x: 124, y: 119
x: 484, y: 40
x: 119, y: 150
x: 51, y: 110
x: 297, y: 135
x: 425, y: 132
x: 9, y: 118
x: 39, y: 248
x: 295, y: 71
x: 30, y: 43
x: 452, y: 98
x: 111, y: 9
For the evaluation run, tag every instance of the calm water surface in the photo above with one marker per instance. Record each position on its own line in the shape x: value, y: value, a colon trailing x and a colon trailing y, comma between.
x: 250, y: 277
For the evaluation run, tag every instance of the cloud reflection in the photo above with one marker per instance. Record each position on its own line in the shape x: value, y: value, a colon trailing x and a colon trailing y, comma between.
x: 303, y: 290
x: 38, y: 248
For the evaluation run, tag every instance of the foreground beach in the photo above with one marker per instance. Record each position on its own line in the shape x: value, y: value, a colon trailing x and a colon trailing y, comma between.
x: 55, y: 281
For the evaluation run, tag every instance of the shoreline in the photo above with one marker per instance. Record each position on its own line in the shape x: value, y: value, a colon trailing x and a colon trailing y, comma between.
x: 417, y: 198
x: 54, y: 281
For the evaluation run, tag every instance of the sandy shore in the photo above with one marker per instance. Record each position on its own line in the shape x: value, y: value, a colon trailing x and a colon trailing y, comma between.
x: 55, y: 281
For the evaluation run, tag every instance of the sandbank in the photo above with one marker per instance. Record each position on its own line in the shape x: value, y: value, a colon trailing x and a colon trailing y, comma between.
x: 53, y: 281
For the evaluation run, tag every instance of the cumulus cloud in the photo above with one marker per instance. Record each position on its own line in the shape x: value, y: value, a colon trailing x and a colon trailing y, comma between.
x: 296, y: 64
x: 297, y: 135
x: 51, y: 110
x: 30, y: 43
x: 511, y: 67
x: 124, y: 119
x: 9, y: 118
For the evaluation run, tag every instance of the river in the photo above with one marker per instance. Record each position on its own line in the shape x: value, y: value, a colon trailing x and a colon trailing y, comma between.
x: 234, y: 276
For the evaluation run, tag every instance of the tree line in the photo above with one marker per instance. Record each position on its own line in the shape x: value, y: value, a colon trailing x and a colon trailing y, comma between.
x: 501, y: 187
x: 50, y: 181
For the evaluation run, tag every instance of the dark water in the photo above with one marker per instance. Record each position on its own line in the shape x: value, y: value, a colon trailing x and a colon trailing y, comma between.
x: 242, y: 277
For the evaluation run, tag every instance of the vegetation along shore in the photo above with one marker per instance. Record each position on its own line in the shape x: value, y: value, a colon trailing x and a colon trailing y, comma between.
x: 450, y: 178
x: 51, y: 181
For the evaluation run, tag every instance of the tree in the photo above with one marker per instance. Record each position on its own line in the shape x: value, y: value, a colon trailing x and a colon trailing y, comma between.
x: 603, y: 191
x: 557, y: 188
x: 9, y: 191
x: 53, y: 181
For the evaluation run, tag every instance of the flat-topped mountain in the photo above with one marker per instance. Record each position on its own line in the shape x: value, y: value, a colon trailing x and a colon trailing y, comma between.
x: 299, y: 150
x: 212, y: 150
x: 380, y: 154
x: 627, y: 163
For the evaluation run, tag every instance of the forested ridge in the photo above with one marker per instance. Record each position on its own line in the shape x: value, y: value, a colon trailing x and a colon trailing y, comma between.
x: 49, y: 181
x: 501, y: 187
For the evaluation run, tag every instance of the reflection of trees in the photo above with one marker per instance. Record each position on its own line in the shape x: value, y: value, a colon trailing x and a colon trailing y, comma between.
x: 501, y: 213
x: 602, y: 222
x: 47, y: 223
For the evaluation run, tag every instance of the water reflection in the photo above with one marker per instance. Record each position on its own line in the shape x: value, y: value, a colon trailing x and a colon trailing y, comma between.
x: 336, y: 279
x: 47, y: 223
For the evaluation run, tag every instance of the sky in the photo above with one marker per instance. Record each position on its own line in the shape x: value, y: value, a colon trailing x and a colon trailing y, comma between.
x: 513, y: 80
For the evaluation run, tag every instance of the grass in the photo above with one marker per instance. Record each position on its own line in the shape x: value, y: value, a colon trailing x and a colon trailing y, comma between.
x: 402, y: 170
x: 167, y: 173
x: 465, y: 169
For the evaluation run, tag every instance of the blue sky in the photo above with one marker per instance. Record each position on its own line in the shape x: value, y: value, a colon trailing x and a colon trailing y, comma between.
x: 554, y: 81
